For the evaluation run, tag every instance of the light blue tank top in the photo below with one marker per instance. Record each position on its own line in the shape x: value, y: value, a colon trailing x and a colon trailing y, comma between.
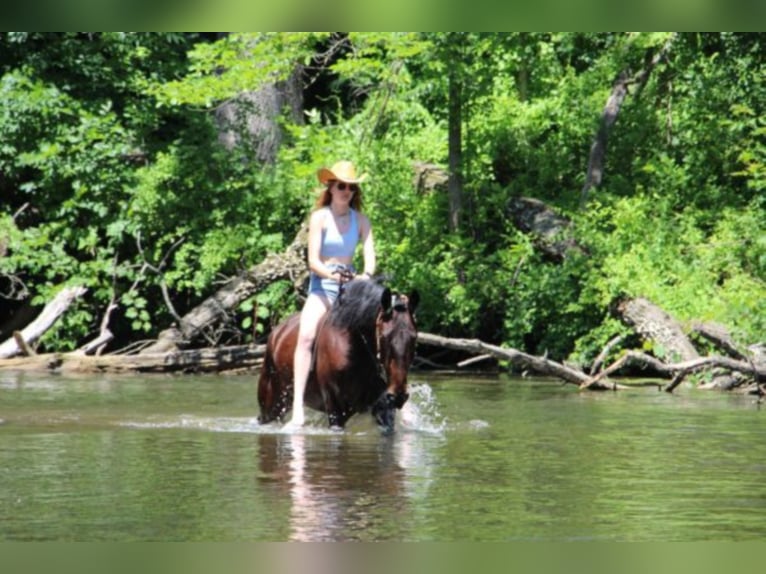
x: 335, y: 244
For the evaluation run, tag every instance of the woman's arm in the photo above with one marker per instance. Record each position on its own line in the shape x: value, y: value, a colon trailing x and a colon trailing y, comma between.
x: 368, y: 246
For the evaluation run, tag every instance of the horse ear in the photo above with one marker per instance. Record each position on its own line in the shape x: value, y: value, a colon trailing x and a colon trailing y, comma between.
x: 414, y: 299
x: 385, y: 300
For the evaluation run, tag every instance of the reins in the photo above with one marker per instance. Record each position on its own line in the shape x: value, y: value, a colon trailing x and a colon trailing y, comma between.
x: 375, y: 353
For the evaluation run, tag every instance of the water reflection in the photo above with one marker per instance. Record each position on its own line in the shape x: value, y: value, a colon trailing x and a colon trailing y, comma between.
x: 346, y: 486
x: 310, y: 515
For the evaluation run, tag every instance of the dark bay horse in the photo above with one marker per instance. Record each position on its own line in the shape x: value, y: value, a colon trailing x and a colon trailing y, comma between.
x: 363, y: 350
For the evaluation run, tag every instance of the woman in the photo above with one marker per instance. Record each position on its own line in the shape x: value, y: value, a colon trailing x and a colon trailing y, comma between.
x: 336, y: 227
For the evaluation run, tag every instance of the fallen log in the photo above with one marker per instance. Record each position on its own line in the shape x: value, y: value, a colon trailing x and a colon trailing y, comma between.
x: 670, y: 342
x: 208, y: 360
x: 538, y: 365
x: 654, y: 324
x: 720, y: 337
x: 44, y: 321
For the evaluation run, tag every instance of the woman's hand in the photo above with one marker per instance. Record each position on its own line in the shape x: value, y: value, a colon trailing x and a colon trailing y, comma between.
x: 344, y: 275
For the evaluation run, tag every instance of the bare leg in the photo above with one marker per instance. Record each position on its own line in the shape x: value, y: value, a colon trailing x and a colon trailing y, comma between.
x: 313, y: 310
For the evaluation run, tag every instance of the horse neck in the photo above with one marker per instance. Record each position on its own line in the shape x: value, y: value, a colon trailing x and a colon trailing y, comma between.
x: 368, y: 337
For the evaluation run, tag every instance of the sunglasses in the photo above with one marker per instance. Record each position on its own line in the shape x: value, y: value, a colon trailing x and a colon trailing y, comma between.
x: 342, y: 186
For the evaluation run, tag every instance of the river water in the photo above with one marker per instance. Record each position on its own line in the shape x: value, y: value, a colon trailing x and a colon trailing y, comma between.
x: 183, y: 458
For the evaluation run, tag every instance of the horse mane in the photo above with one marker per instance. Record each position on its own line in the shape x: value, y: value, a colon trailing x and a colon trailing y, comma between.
x: 358, y: 304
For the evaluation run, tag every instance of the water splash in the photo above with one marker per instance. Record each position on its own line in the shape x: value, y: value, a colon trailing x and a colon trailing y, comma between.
x: 421, y: 411
x: 420, y: 414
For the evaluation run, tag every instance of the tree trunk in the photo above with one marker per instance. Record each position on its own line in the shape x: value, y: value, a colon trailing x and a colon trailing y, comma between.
x: 290, y: 264
x: 455, y: 147
x: 670, y: 343
x: 721, y: 338
x: 597, y: 157
x: 679, y: 370
x: 253, y: 117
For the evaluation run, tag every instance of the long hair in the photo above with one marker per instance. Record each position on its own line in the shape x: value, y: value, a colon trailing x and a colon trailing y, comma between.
x: 325, y: 197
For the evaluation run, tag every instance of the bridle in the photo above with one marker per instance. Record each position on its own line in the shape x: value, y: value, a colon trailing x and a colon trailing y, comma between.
x: 398, y: 304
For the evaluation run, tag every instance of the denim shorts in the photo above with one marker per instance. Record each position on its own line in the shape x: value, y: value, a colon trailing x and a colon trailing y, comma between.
x: 329, y: 288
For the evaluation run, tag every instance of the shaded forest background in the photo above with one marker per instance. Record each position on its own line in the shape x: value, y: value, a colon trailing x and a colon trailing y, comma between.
x: 525, y: 184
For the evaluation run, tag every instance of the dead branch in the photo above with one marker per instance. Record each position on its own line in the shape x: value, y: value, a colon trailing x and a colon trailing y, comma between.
x: 17, y: 290
x: 539, y: 365
x: 474, y: 360
x: 23, y: 346
x: 97, y: 344
x: 677, y: 379
x: 44, y: 321
x: 616, y: 340
x: 677, y: 371
x: 159, y: 269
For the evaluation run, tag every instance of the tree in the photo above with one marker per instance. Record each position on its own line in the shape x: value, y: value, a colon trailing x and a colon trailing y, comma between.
x: 114, y: 177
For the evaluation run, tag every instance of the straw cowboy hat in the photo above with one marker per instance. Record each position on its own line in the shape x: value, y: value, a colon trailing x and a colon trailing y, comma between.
x: 340, y: 171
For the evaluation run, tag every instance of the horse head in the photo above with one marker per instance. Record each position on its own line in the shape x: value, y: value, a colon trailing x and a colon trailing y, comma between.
x: 396, y: 334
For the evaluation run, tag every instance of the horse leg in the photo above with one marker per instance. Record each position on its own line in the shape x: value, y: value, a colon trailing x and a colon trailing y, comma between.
x: 268, y: 391
x: 274, y: 397
x: 337, y: 413
x: 384, y: 412
x: 274, y: 389
x: 336, y: 418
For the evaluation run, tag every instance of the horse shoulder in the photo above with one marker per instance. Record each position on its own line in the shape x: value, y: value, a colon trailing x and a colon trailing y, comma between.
x: 334, y: 345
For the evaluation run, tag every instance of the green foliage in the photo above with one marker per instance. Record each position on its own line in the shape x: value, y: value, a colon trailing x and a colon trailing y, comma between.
x: 110, y: 163
x: 233, y: 64
x: 261, y: 312
x: 749, y: 129
x: 641, y: 249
